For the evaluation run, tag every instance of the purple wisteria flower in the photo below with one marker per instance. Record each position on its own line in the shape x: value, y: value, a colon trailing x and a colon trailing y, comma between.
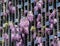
x: 26, y: 30
x: 23, y: 35
x: 41, y: 44
x: 53, y: 13
x: 25, y: 12
x: 19, y: 43
x: 30, y: 16
x: 18, y: 37
x: 5, y: 36
x: 39, y: 4
x: 39, y: 39
x: 51, y: 26
x: 39, y: 17
x: 13, y: 10
x: 24, y: 22
x: 55, y: 20
x: 13, y: 36
x: 34, y: 35
x: 35, y: 8
x: 10, y: 3
x: 51, y: 21
x: 39, y: 25
x: 13, y: 30
x: 4, y: 14
x: 58, y: 41
x: 47, y: 30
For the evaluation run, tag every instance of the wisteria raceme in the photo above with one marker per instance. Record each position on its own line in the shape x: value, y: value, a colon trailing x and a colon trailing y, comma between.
x: 23, y: 22
x: 47, y: 30
x: 51, y: 21
x: 19, y: 44
x: 10, y: 6
x: 21, y: 29
x: 55, y: 20
x: 11, y: 26
x: 5, y: 36
x: 39, y: 39
x: 38, y: 17
x: 7, y: 11
x: 39, y: 25
x: 23, y: 35
x: 13, y: 10
x: 18, y: 37
x: 53, y: 13
x: 13, y: 30
x: 51, y: 26
x: 41, y: 44
x: 30, y: 16
x: 39, y: 4
x: 4, y: 1
x: 13, y: 36
x: 25, y: 12
x: 35, y: 8
x: 4, y: 14
x: 26, y: 23
x: 34, y: 35
x: 10, y: 3
x: 17, y: 29
x: 58, y: 41
x: 26, y: 30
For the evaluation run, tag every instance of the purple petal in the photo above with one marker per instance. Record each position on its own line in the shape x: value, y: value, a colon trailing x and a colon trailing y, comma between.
x: 30, y: 16
x: 55, y: 21
x: 18, y: 37
x: 13, y: 36
x: 13, y: 10
x: 51, y: 26
x: 25, y: 11
x: 35, y: 8
x: 39, y: 39
x: 39, y: 25
x: 5, y: 36
x: 26, y: 30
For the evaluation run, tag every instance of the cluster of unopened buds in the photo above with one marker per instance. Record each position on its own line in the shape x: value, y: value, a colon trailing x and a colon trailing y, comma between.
x: 10, y: 8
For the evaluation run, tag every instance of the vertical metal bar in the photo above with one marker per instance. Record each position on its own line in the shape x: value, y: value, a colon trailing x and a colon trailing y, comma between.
x: 57, y: 18
x: 41, y: 19
x: 9, y: 32
x: 15, y: 7
x: 3, y: 39
x: 34, y: 21
x: 18, y: 10
x: 3, y: 12
x: 45, y: 20
x: 48, y: 13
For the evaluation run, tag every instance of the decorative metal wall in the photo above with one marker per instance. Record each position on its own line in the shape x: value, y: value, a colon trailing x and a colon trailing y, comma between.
x: 47, y: 29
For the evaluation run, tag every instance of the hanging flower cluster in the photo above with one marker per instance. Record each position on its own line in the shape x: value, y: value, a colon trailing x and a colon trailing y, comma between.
x: 10, y: 9
x: 18, y: 32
